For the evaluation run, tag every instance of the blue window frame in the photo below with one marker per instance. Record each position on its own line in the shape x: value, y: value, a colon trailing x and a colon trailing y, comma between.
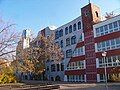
x: 79, y: 25
x: 70, y: 29
x: 73, y: 40
x: 74, y: 27
x: 61, y: 33
x: 66, y: 30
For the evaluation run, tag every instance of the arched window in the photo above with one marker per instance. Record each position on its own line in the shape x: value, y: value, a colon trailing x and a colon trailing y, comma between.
x: 79, y: 25
x: 67, y: 41
x: 74, y: 27
x: 56, y: 34
x: 66, y: 30
x: 70, y: 29
x: 73, y: 40
x: 69, y: 53
x: 96, y: 13
x: 61, y: 33
x: 61, y: 43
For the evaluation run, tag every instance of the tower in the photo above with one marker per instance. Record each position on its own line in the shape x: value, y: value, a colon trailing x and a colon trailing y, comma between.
x: 26, y: 38
x: 90, y: 16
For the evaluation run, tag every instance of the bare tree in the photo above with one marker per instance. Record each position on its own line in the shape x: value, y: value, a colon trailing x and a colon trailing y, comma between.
x: 8, y: 39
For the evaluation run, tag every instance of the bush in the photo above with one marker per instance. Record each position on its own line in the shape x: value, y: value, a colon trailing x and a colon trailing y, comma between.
x: 7, y: 76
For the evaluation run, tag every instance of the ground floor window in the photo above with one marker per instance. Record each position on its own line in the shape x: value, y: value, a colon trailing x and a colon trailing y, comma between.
x: 76, y: 78
x: 110, y: 77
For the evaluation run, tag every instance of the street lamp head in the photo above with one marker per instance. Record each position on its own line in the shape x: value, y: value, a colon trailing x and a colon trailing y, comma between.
x: 117, y: 61
x: 104, y: 54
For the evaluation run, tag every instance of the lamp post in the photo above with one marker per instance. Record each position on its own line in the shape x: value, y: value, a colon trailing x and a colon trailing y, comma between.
x: 104, y: 55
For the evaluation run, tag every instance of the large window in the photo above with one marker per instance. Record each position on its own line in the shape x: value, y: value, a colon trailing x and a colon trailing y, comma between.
x: 70, y: 29
x: 67, y: 41
x: 74, y: 27
x: 76, y: 65
x: 110, y: 61
x: 76, y: 78
x: 109, y: 44
x: 69, y: 53
x: 79, y: 25
x: 66, y: 30
x: 73, y: 40
x: 108, y: 28
x: 78, y: 52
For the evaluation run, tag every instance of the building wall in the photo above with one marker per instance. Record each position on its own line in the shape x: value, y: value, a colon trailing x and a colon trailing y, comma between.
x: 85, y: 62
x: 94, y: 69
x: 78, y: 33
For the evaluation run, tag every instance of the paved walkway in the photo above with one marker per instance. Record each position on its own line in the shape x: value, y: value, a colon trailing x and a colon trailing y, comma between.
x: 111, y: 86
x: 68, y: 86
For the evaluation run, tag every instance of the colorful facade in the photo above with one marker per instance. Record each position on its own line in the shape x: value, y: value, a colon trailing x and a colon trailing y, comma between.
x: 83, y: 40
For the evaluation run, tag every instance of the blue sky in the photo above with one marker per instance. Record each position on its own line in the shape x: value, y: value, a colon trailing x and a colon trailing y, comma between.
x: 37, y: 14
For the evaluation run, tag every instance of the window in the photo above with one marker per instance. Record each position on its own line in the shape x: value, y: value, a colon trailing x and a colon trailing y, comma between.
x: 112, y: 42
x: 97, y: 32
x: 61, y: 43
x: 69, y: 53
x: 80, y: 51
x: 87, y: 13
x: 74, y: 27
x: 119, y: 23
x: 103, y: 44
x: 79, y: 25
x: 96, y: 14
x: 118, y: 41
x: 58, y: 67
x: 111, y: 27
x: 70, y: 29
x: 75, y: 53
x: 47, y: 68
x: 53, y: 68
x: 56, y: 35
x: 76, y: 65
x: 61, y: 33
x: 99, y: 45
x: 73, y: 40
x: 102, y: 77
x: 80, y: 39
x: 115, y: 24
x: 109, y: 61
x: 67, y: 41
x: 106, y: 29
x: 81, y: 64
x: 102, y: 30
x: 62, y: 67
x: 108, y: 43
x: 66, y: 30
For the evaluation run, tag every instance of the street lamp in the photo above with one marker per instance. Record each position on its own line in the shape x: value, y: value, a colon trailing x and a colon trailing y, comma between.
x: 104, y: 55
